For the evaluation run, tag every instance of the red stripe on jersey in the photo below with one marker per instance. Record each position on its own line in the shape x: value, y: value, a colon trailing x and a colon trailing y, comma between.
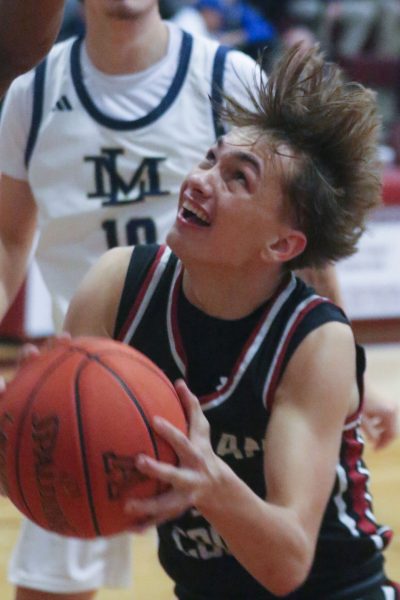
x: 397, y: 589
x: 142, y: 292
x: 282, y: 354
x: 387, y: 537
x: 210, y: 397
x: 357, y: 482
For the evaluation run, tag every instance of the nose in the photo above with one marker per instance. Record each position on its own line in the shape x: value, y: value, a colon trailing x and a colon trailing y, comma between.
x: 199, y: 183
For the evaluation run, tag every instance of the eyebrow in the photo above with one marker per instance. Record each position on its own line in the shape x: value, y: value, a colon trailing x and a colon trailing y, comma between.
x: 242, y: 156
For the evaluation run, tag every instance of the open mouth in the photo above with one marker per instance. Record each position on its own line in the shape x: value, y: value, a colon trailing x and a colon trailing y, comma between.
x: 194, y: 214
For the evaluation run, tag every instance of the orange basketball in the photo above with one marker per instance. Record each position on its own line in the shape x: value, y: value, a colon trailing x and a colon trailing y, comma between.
x: 71, y: 424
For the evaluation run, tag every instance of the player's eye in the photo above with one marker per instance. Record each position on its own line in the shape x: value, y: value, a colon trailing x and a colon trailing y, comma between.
x: 208, y: 160
x: 240, y: 177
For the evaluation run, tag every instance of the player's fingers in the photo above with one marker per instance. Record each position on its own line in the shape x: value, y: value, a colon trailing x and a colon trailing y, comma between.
x: 382, y: 428
x: 189, y: 401
x: 140, y: 529
x: 177, y: 477
x: 191, y: 452
x: 369, y: 428
x: 157, y: 509
x: 387, y: 434
x: 199, y: 425
x: 27, y: 352
x: 2, y: 385
x: 171, y: 434
x: 64, y: 335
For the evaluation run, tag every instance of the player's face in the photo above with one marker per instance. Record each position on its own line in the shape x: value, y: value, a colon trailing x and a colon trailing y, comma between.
x: 122, y: 9
x: 231, y: 205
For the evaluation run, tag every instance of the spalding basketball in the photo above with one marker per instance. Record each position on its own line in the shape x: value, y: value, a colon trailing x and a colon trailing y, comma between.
x: 71, y: 424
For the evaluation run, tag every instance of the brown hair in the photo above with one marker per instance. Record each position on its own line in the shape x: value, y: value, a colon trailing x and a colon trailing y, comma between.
x: 331, y: 128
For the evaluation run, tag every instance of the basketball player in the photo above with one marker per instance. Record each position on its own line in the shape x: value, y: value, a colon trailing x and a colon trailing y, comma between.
x: 270, y: 498
x: 93, y: 147
x: 28, y: 29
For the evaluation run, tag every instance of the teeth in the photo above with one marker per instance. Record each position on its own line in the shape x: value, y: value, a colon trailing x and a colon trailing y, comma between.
x: 196, y: 210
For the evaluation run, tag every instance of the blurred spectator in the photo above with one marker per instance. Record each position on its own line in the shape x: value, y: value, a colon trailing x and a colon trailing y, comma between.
x: 347, y: 28
x: 232, y: 22
x: 308, y: 13
x: 275, y: 11
x: 387, y: 36
x: 190, y: 18
x: 355, y: 20
x: 352, y: 26
x: 298, y: 34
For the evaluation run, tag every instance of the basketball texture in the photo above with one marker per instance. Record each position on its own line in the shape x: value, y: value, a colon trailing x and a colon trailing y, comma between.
x: 71, y: 424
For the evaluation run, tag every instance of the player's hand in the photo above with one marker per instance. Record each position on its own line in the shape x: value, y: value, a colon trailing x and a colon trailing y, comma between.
x: 193, y: 480
x: 380, y: 419
x: 28, y: 352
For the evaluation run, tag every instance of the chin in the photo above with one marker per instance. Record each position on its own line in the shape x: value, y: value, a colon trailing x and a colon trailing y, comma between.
x: 122, y: 9
x: 172, y: 239
x: 181, y: 247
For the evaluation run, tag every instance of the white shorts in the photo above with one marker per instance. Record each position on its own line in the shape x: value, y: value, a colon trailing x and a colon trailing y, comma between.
x: 52, y: 563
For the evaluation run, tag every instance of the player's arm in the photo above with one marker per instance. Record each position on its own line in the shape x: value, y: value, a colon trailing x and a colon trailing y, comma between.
x: 381, y: 412
x: 94, y: 307
x: 17, y: 230
x: 28, y: 29
x: 301, y: 453
x: 274, y: 539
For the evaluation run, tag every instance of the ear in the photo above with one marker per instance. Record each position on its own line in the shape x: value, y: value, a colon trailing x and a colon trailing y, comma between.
x: 285, y: 248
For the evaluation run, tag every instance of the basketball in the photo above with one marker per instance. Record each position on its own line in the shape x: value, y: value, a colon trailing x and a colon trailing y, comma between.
x: 71, y: 424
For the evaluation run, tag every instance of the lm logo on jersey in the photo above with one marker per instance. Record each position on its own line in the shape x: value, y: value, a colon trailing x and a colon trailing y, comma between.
x: 113, y: 189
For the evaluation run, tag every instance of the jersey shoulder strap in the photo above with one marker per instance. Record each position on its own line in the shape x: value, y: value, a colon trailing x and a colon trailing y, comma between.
x: 146, y: 266
x: 217, y: 87
x: 37, y: 108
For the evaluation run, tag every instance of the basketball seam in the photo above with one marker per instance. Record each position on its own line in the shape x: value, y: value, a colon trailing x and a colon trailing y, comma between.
x: 144, y: 361
x: 24, y: 412
x: 86, y: 357
x: 96, y: 358
x: 89, y: 492
x: 126, y: 352
x: 139, y: 408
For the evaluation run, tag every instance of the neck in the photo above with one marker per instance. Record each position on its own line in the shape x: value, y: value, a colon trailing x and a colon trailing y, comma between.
x: 226, y: 295
x: 125, y: 46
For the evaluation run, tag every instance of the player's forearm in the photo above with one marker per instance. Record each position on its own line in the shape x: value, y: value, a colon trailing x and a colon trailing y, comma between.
x: 268, y: 540
x: 28, y: 29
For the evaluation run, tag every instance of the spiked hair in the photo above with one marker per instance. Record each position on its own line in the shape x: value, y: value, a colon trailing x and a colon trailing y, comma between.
x: 330, y: 127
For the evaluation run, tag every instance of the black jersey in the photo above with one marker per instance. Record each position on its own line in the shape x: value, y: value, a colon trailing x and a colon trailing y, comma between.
x: 237, y: 401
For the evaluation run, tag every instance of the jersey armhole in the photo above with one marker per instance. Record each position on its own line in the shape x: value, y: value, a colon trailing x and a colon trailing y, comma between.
x: 317, y: 313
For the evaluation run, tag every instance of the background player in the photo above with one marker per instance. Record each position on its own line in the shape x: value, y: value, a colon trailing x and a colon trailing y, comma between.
x: 270, y: 498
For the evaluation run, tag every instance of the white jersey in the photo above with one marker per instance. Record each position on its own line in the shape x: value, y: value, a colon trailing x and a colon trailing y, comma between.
x: 101, y: 180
